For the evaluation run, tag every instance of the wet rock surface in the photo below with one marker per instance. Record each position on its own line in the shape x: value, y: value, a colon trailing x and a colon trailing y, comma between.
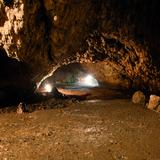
x: 113, y: 129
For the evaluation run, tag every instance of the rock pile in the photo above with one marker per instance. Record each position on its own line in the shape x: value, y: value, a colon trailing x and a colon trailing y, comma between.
x: 153, y: 102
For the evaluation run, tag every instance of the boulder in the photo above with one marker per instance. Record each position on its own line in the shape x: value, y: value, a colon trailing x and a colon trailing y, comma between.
x: 154, y: 103
x: 138, y: 98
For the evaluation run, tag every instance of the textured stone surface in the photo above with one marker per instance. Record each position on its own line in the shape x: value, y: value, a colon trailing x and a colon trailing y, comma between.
x: 154, y: 102
x: 138, y: 98
x: 123, y: 35
x: 11, y: 24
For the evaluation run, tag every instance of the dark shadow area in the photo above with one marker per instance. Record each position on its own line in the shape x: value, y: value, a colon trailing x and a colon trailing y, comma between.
x: 3, y: 17
x: 8, y: 3
x: 15, y: 83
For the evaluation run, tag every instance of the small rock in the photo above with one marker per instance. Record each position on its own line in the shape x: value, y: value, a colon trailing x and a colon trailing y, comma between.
x: 55, y: 18
x: 20, y: 108
x: 154, y: 102
x: 158, y: 108
x: 139, y: 98
x: 146, y: 105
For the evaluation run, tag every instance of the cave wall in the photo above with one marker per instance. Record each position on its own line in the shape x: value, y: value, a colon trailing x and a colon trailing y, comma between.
x: 11, y: 25
x: 124, y: 35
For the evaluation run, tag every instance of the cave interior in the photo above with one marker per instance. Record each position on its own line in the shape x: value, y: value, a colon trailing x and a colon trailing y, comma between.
x: 117, y: 43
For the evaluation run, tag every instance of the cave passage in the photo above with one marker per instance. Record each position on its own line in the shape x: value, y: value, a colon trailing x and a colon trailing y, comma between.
x: 81, y: 81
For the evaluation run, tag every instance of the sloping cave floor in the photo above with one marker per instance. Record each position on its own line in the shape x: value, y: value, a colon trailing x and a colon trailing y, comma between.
x: 86, y: 130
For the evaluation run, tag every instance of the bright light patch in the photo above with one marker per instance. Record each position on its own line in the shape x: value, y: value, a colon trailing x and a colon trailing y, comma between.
x: 89, y: 81
x: 48, y: 88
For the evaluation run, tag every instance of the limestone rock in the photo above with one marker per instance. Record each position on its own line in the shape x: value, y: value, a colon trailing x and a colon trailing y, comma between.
x: 154, y: 103
x: 138, y: 98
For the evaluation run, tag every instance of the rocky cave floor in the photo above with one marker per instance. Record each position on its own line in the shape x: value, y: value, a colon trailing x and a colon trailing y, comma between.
x: 114, y: 129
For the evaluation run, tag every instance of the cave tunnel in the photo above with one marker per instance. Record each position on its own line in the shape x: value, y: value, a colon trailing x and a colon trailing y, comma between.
x: 85, y: 81
x: 79, y: 79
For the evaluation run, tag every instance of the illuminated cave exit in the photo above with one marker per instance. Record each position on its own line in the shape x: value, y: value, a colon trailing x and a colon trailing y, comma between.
x: 79, y: 80
x: 70, y: 79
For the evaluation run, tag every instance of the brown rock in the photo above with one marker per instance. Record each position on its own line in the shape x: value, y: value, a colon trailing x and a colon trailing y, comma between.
x: 19, y: 109
x: 158, y: 108
x: 49, y: 4
x: 154, y: 102
x: 138, y: 98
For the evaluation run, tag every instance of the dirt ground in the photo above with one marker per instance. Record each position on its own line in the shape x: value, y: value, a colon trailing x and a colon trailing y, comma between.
x: 88, y: 130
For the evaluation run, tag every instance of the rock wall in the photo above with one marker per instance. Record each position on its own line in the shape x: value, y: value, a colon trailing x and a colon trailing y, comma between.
x: 124, y: 35
x: 11, y: 25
